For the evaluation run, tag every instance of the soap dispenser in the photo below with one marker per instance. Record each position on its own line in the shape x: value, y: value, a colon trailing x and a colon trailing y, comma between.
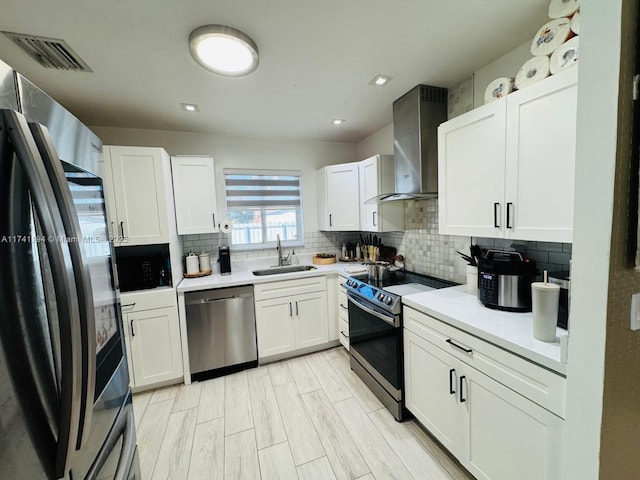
x: 294, y: 258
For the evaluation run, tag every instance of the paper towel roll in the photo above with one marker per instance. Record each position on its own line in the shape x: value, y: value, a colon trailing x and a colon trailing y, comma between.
x: 550, y: 36
x: 575, y: 23
x: 544, y: 306
x: 226, y: 226
x: 499, y: 88
x: 565, y: 56
x: 563, y: 8
x: 533, y: 70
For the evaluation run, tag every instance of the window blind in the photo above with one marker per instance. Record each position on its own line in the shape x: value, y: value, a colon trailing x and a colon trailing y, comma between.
x: 246, y: 191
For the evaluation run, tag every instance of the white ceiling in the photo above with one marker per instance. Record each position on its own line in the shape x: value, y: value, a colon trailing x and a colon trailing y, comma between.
x: 316, y: 59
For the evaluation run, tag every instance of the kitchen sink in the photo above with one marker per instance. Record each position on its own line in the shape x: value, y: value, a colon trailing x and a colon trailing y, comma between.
x: 287, y: 269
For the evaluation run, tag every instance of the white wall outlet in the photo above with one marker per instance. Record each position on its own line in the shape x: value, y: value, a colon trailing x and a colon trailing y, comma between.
x: 635, y: 311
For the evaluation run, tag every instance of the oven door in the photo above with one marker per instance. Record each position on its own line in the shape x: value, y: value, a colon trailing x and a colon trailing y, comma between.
x: 375, y: 338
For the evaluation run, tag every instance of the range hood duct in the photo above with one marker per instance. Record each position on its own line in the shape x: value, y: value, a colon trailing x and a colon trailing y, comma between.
x: 416, y: 117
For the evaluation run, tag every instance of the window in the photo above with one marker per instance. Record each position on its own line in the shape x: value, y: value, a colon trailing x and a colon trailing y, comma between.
x: 262, y: 205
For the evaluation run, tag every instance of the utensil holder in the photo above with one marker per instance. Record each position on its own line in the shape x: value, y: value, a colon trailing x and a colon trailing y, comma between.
x: 472, y: 279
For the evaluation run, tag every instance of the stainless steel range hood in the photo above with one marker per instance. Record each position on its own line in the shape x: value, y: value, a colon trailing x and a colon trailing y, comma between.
x: 416, y: 117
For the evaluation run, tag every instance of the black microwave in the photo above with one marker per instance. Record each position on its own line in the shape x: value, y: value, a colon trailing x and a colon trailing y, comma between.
x: 142, y: 268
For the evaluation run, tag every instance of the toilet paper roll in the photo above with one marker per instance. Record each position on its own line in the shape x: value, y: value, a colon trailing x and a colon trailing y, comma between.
x: 226, y: 226
x: 575, y: 23
x: 544, y: 305
x: 563, y: 8
x: 550, y: 36
x: 499, y: 88
x: 565, y: 56
x: 533, y: 70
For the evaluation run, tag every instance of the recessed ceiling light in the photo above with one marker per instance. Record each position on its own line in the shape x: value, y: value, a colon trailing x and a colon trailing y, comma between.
x: 380, y: 80
x: 338, y: 121
x: 190, y: 107
x: 223, y: 50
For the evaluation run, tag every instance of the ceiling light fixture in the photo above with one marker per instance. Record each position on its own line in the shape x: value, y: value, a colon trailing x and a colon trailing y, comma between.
x: 223, y: 50
x: 338, y: 121
x: 380, y: 80
x: 190, y: 107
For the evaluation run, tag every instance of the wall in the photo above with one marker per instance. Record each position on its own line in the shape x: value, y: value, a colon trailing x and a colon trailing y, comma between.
x: 241, y: 152
x: 598, y: 86
x: 381, y: 142
x: 620, y: 434
x: 505, y: 66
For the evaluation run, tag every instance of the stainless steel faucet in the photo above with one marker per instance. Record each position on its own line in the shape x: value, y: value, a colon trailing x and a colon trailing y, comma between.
x: 282, y: 260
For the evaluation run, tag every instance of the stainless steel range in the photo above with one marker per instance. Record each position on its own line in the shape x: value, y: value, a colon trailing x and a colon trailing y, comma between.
x: 375, y: 332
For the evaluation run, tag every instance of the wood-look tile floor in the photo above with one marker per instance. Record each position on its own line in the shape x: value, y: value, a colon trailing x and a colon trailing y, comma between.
x: 307, y: 418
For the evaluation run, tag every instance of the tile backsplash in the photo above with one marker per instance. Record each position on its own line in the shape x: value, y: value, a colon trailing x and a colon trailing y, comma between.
x: 424, y: 249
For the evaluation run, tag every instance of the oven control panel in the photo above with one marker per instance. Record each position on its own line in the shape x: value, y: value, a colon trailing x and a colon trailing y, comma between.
x: 375, y: 295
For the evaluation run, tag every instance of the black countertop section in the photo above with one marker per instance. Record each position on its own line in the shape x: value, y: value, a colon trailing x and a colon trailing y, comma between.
x: 401, y: 277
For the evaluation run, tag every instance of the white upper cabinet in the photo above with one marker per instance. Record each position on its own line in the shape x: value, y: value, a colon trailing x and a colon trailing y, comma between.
x: 377, y: 177
x: 541, y: 152
x: 339, y: 197
x: 506, y: 169
x: 137, y: 194
x: 471, y: 162
x: 195, y: 194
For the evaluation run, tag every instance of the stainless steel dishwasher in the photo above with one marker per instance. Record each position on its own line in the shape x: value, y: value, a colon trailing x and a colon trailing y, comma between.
x: 221, y: 331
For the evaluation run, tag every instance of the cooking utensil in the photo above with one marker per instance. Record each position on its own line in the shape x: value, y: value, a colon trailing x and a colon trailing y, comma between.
x: 378, y: 271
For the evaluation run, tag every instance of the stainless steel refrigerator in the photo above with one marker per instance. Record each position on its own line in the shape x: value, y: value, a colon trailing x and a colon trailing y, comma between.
x: 65, y: 402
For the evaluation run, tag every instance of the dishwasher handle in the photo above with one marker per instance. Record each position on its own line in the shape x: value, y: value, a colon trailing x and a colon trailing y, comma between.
x: 215, y: 300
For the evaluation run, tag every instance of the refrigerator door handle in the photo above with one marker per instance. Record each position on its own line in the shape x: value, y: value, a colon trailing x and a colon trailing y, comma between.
x: 124, y: 427
x: 52, y: 227
x: 64, y: 201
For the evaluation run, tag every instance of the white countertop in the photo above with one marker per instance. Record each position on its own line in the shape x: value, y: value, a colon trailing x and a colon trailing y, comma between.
x: 511, y: 331
x: 241, y: 274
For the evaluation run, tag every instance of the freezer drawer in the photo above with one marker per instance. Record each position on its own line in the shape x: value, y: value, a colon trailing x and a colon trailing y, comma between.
x: 221, y: 331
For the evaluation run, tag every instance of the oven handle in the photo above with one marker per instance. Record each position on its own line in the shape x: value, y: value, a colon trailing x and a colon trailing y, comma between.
x: 394, y: 321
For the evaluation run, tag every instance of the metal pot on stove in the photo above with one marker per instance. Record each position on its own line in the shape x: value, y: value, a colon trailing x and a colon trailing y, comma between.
x: 378, y: 271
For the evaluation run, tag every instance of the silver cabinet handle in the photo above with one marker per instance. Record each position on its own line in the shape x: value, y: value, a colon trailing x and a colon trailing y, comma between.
x: 374, y: 219
x: 290, y: 310
x: 214, y: 219
x: 297, y: 308
x: 330, y: 223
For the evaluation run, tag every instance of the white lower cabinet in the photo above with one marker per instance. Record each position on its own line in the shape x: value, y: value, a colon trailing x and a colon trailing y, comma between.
x: 288, y: 322
x: 495, y: 432
x: 153, y: 341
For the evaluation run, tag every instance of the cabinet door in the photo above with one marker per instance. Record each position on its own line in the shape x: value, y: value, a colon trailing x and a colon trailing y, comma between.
x: 471, y: 166
x: 541, y: 152
x: 139, y: 194
x: 104, y: 170
x: 155, y: 345
x: 509, y: 436
x: 377, y: 177
x: 369, y: 188
x: 311, y: 320
x: 274, y: 327
x: 195, y: 194
x: 343, y: 197
x: 432, y: 381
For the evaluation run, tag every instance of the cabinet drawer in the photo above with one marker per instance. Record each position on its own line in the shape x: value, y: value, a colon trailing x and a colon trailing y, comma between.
x: 286, y: 288
x: 147, y: 300
x: 540, y: 385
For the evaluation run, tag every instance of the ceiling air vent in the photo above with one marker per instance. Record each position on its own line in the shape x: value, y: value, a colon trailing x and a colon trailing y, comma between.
x: 49, y: 52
